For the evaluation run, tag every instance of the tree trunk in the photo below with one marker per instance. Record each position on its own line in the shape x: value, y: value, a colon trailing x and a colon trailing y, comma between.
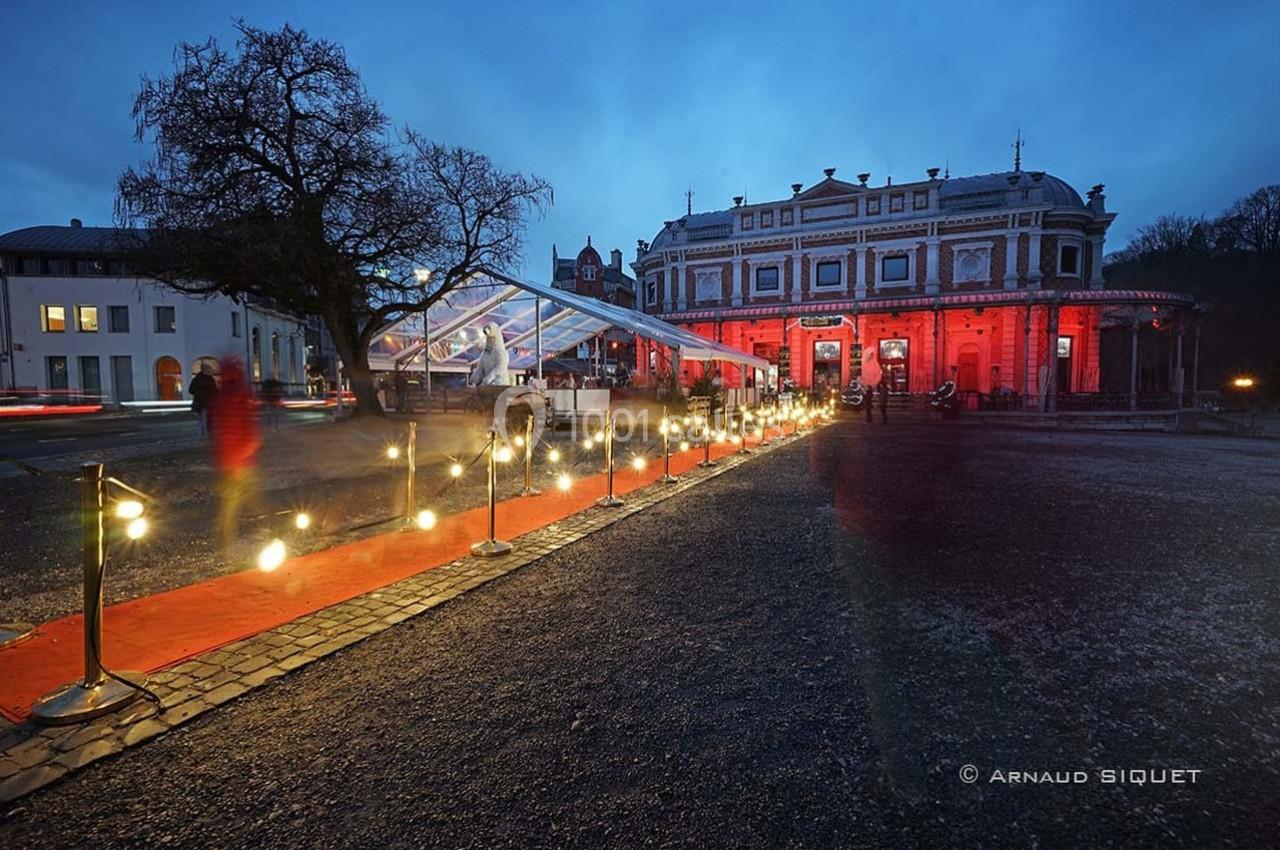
x: 355, y: 365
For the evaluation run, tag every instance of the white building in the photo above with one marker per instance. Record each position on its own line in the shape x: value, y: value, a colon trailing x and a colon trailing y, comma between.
x: 75, y: 322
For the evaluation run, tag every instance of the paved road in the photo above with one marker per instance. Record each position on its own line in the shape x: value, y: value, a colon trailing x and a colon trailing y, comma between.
x: 804, y: 652
x: 32, y: 438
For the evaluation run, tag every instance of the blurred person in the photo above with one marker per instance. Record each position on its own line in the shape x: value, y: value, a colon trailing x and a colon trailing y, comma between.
x: 203, y: 391
x: 884, y: 401
x: 235, y: 447
x: 272, y: 395
x: 402, y: 391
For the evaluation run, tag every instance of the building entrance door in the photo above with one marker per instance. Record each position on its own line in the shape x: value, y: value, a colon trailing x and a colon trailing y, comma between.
x: 967, y: 368
x: 168, y: 379
x: 893, y: 364
x: 122, y: 377
x: 826, y: 366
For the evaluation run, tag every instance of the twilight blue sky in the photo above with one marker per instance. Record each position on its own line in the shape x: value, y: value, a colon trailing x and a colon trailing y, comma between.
x: 1174, y: 105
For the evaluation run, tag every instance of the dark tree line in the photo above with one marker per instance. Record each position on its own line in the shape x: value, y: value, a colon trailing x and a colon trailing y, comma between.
x: 275, y: 176
x: 1251, y: 225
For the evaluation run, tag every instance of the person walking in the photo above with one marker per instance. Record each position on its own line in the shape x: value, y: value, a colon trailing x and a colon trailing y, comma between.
x: 202, y: 389
x: 884, y: 401
x: 235, y: 448
x: 272, y: 395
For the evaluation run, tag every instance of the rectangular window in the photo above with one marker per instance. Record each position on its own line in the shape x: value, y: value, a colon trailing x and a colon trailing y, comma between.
x: 766, y: 218
x: 53, y: 318
x: 117, y: 268
x: 118, y: 319
x: 89, y: 267
x: 787, y: 217
x: 91, y: 375
x: 235, y: 323
x: 767, y: 279
x: 651, y: 291
x: 1064, y: 346
x: 895, y: 203
x: 166, y: 320
x: 1069, y: 262
x: 921, y: 200
x: 829, y: 273
x: 55, y: 265
x: 893, y: 269
x: 873, y: 206
x: 86, y: 319
x: 29, y: 265
x: 57, y: 367
x: 748, y: 221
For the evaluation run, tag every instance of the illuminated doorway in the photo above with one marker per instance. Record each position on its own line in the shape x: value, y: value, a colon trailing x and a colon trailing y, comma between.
x: 826, y: 366
x: 967, y: 368
x: 168, y: 379
x: 893, y: 364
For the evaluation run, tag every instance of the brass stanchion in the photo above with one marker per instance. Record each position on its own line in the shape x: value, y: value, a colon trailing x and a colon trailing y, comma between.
x: 609, y: 500
x: 706, y: 444
x: 492, y: 546
x: 529, y: 489
x: 742, y: 432
x: 667, y: 477
x: 764, y: 428
x: 411, y: 462
x: 97, y: 694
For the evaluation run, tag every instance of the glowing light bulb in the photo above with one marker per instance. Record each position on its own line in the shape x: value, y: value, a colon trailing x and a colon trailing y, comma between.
x: 393, y: 452
x: 684, y: 445
x: 687, y: 420
x: 638, y: 463
x: 455, y: 470
x: 502, y: 454
x: 426, y: 520
x: 302, y: 521
x: 599, y: 438
x: 563, y: 481
x: 519, y: 441
x: 588, y: 444
x: 735, y: 439
x: 663, y: 427
x: 720, y: 436
x: 129, y: 509
x: 271, y: 556
x: 136, y: 528
x: 553, y: 456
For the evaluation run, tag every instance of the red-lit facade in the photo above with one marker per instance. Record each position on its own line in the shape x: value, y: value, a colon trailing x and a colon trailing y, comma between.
x: 995, y: 281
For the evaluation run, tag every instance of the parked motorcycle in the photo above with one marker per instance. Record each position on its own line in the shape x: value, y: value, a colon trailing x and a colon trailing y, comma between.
x: 946, y: 400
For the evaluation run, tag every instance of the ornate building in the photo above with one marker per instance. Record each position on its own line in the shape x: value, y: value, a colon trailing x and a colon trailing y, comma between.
x: 995, y: 280
x: 588, y: 275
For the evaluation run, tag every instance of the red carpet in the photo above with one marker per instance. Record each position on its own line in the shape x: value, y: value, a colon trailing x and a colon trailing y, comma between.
x: 159, y: 631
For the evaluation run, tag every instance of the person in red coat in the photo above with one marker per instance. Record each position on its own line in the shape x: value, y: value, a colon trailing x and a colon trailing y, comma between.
x: 234, y: 430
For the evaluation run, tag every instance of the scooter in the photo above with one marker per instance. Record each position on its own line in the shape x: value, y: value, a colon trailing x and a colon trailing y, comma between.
x: 946, y: 400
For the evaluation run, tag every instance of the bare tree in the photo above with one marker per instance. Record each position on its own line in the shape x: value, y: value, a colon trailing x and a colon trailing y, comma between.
x: 1253, y: 222
x: 274, y: 177
x: 1170, y: 234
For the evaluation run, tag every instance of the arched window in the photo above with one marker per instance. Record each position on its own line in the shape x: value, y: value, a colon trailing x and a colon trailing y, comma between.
x: 256, y: 354
x: 275, y: 355
x: 168, y: 379
x: 208, y: 363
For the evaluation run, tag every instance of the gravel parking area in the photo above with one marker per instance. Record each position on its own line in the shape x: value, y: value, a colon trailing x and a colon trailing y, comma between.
x: 804, y: 652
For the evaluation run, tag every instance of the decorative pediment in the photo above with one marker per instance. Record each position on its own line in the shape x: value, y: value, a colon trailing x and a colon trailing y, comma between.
x: 829, y: 188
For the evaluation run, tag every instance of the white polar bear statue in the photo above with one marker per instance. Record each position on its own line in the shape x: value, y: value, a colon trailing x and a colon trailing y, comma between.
x: 491, y: 368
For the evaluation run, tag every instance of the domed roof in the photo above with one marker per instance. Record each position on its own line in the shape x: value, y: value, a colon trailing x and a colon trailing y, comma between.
x: 958, y: 190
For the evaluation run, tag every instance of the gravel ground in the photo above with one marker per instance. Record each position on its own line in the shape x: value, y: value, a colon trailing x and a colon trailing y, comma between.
x: 337, y: 473
x: 801, y: 653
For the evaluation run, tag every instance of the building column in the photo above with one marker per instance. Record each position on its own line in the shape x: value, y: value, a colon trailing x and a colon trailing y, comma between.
x: 681, y: 295
x: 1026, y: 356
x: 1051, y: 356
x: 795, y: 276
x: 1133, y: 362
x: 1011, y: 260
x: 1095, y: 272
x: 1033, y: 261
x: 1177, y: 367
x: 860, y: 273
x: 1195, y: 363
x: 931, y: 281
x: 935, y: 348
x: 669, y: 297
x: 739, y: 292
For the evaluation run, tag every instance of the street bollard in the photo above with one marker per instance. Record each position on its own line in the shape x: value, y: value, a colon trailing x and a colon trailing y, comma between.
x: 411, y: 463
x: 529, y: 489
x: 96, y: 694
x: 609, y: 500
x: 667, y: 477
x: 492, y: 546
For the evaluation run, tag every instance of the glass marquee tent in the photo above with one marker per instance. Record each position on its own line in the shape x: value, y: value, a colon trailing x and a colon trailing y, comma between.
x: 537, y: 322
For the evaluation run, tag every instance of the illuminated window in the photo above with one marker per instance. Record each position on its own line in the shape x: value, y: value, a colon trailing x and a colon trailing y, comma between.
x: 86, y: 319
x: 53, y: 318
x: 1064, y: 346
x: 893, y: 349
x: 828, y: 273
